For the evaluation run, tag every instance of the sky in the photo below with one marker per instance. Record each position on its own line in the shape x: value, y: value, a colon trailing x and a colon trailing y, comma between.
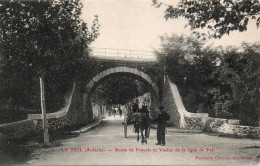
x: 137, y: 25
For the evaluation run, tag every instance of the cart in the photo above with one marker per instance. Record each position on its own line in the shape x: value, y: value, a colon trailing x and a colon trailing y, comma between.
x: 128, y: 119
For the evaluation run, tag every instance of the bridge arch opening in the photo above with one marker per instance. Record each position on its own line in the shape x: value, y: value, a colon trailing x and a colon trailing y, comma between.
x: 115, y: 72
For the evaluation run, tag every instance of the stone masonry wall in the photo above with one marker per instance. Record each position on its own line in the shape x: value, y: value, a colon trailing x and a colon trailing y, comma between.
x: 194, y: 123
x: 221, y: 126
x: 75, y: 113
x: 16, y: 130
x: 213, y: 124
x: 170, y: 107
x: 74, y: 116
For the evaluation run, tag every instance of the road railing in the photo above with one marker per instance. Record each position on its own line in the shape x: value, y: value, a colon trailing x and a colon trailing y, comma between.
x: 122, y: 54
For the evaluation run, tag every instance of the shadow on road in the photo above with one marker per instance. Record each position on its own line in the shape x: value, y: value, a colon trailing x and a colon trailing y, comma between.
x: 251, y: 147
x: 18, y: 152
x: 12, y: 153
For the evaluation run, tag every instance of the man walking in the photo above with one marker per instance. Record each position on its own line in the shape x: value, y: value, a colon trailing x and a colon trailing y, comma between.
x: 135, y: 106
x: 120, y: 111
x: 161, y: 119
x: 114, y: 112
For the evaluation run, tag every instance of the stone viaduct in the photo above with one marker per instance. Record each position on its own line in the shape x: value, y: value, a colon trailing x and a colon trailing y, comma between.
x: 78, y: 107
x: 163, y: 92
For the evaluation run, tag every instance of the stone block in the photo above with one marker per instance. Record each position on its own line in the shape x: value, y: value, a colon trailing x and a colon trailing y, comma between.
x: 117, y: 69
x: 233, y: 121
x: 96, y: 78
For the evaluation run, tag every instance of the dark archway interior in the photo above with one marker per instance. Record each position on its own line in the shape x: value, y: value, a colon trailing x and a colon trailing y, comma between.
x: 146, y: 85
x: 119, y: 88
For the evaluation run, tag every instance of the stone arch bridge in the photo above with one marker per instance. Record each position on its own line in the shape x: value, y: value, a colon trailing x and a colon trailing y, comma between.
x: 78, y: 107
x: 143, y: 67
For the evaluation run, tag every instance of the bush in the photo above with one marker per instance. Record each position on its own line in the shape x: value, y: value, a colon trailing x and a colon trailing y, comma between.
x: 12, y: 115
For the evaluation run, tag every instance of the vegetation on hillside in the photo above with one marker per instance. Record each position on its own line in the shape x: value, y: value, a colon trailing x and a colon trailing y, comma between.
x: 223, y: 82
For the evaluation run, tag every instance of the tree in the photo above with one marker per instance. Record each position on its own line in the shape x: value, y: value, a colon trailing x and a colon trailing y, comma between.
x: 218, y: 16
x: 238, y: 78
x: 223, y: 82
x: 44, y: 37
x: 189, y: 65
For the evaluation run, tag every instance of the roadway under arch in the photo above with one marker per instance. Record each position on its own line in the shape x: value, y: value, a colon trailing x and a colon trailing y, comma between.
x: 124, y: 71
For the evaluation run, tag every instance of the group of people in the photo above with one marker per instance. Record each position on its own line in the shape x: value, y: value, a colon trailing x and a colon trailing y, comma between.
x: 114, y: 111
x: 162, y: 118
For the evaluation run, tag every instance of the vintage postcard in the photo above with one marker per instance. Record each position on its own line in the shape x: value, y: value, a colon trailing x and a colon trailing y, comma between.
x: 129, y: 82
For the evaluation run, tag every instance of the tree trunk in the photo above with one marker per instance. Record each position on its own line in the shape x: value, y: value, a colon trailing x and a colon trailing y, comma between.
x: 43, y: 107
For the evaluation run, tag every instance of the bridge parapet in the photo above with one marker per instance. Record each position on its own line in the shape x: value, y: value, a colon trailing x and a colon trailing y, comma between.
x: 123, y: 54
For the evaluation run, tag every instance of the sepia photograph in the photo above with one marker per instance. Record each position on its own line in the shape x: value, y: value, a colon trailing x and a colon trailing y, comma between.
x: 129, y: 82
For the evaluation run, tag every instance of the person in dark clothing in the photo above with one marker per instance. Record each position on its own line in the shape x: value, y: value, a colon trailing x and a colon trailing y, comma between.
x: 136, y: 115
x: 145, y: 114
x: 161, y: 119
x: 145, y: 121
x: 120, y: 111
x: 114, y: 112
x: 144, y: 109
x: 135, y: 106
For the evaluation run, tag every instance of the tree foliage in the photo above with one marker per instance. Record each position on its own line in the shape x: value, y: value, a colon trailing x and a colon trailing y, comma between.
x: 43, y: 35
x: 188, y: 65
x: 238, y: 85
x: 43, y: 38
x: 218, y: 16
x: 223, y: 82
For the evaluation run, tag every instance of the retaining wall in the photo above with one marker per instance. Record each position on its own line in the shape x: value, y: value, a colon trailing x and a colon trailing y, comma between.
x: 72, y: 114
x: 17, y: 130
x: 222, y: 127
x: 170, y: 107
x: 186, y: 119
x: 194, y: 123
x: 75, y: 113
